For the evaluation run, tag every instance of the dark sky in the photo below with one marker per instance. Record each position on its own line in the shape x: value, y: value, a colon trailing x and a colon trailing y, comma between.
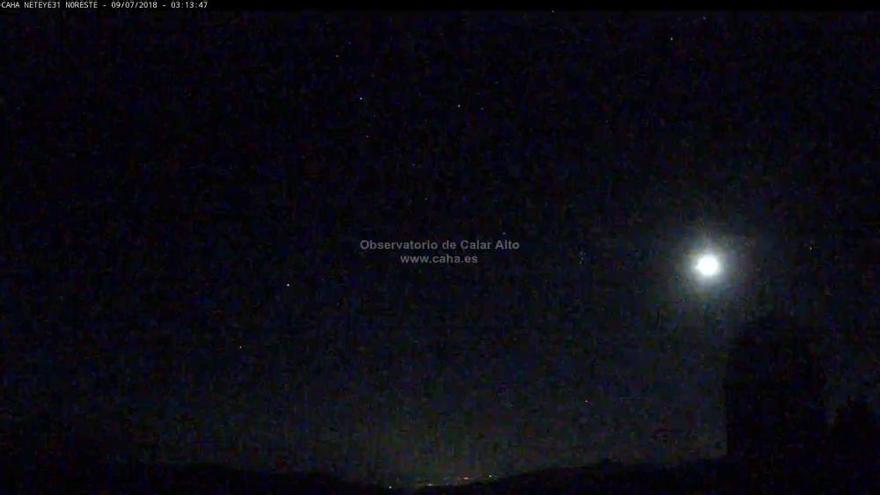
x: 185, y: 196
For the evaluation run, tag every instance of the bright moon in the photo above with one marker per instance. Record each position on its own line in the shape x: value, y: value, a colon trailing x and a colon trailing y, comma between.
x: 708, y: 266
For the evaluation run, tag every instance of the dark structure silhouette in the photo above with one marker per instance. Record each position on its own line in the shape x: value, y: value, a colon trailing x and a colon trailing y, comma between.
x: 774, y: 389
x: 855, y: 442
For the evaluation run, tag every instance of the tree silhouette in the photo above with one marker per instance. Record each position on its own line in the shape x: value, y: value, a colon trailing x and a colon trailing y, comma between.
x: 855, y: 438
x: 775, y: 413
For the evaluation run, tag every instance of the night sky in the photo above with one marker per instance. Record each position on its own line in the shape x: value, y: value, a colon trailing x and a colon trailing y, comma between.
x: 185, y: 197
